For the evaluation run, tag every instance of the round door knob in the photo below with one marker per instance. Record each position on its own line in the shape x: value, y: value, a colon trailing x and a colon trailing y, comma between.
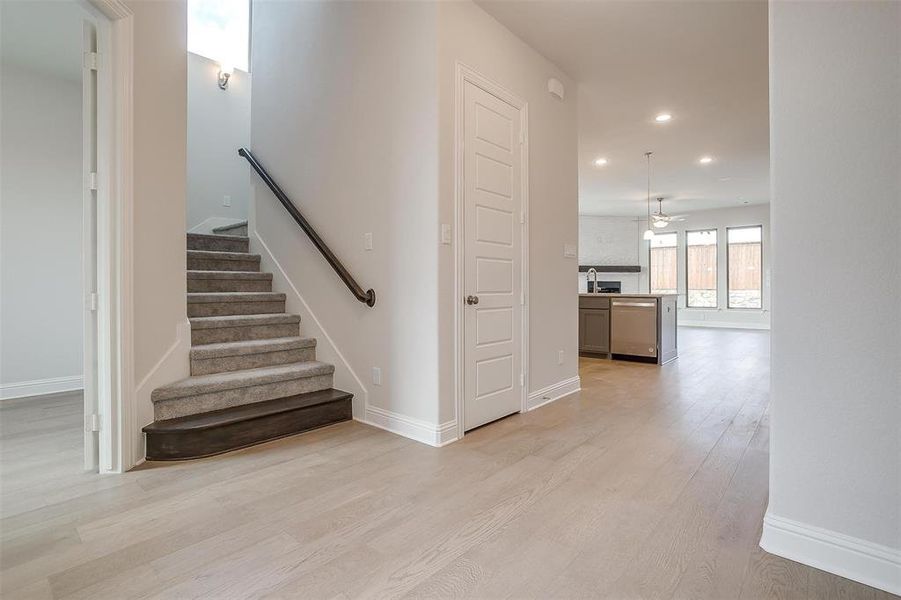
x: 472, y: 299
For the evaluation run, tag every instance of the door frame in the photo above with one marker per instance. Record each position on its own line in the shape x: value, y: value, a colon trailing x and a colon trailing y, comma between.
x: 115, y: 387
x: 466, y: 74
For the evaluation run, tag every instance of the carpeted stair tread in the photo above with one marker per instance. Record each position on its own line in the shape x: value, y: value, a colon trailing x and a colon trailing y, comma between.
x: 252, y: 275
x: 206, y: 241
x: 205, y: 384
x: 243, y: 320
x: 221, y: 255
x: 223, y: 349
x: 203, y: 297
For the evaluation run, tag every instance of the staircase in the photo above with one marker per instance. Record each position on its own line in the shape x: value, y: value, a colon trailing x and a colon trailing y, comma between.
x: 253, y: 377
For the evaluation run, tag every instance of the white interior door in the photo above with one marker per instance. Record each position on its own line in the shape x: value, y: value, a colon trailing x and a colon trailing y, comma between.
x: 492, y: 264
x: 89, y: 243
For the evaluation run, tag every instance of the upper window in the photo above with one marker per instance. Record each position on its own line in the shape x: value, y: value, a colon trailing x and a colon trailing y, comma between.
x: 745, y: 260
x: 220, y: 31
x: 663, y: 263
x: 700, y: 273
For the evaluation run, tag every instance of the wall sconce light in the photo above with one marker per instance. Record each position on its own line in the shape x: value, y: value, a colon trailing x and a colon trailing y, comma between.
x: 225, y: 72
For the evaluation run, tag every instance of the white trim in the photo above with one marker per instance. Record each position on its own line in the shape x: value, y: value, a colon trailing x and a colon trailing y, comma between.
x: 554, y: 392
x: 465, y: 73
x: 723, y: 324
x: 345, y: 376
x: 40, y: 387
x: 871, y: 564
x: 408, y: 427
x: 115, y: 394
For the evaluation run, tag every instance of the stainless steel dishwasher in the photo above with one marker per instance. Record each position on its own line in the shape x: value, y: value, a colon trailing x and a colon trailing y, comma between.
x: 633, y: 326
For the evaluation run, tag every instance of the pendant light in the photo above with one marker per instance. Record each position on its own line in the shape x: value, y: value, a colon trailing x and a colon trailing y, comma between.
x: 649, y: 233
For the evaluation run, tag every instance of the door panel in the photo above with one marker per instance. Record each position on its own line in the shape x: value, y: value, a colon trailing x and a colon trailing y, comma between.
x: 492, y: 263
x: 89, y: 243
x: 594, y: 330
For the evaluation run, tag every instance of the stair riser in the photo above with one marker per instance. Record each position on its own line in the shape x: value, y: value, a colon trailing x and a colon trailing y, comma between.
x: 241, y: 334
x: 229, y: 285
x: 218, y: 245
x: 207, y: 442
x: 200, y: 403
x: 223, y: 309
x: 207, y: 366
x: 218, y: 264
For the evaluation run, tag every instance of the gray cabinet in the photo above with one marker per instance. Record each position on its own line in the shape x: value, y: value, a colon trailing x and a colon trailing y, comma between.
x: 594, y: 330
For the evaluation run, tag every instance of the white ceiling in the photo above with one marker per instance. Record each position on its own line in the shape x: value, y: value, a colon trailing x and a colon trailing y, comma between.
x: 43, y: 36
x: 703, y: 62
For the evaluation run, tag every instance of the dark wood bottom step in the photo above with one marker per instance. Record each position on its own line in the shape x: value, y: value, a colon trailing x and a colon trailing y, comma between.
x: 207, y: 434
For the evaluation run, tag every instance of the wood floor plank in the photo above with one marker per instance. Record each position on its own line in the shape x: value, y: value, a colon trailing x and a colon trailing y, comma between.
x: 649, y: 483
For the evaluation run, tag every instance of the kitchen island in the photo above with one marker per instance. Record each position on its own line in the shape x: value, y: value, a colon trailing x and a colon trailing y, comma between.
x: 635, y: 326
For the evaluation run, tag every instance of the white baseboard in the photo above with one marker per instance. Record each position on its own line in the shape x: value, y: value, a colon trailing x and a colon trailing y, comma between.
x: 553, y: 392
x: 415, y: 429
x: 40, y: 387
x: 871, y: 564
x: 723, y: 324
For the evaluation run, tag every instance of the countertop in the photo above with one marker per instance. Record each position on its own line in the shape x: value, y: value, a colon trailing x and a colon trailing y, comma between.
x: 626, y: 295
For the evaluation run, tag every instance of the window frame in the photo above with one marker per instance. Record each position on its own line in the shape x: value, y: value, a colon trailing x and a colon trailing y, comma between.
x: 728, y: 306
x: 716, y: 274
x: 218, y: 59
x: 650, y: 265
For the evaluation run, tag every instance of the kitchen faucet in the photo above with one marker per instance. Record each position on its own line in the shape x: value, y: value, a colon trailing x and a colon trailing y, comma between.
x: 592, y: 271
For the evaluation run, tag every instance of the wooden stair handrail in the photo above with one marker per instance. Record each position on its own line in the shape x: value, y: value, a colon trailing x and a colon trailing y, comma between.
x: 367, y: 297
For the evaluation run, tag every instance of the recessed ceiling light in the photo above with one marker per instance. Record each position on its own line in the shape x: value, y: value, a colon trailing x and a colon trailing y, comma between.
x: 706, y: 160
x: 600, y: 162
x: 663, y: 117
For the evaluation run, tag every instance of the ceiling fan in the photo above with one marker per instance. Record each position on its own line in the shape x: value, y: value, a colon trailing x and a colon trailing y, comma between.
x: 660, y: 219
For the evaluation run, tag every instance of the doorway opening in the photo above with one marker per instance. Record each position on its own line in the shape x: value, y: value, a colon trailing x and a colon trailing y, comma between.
x: 63, y: 247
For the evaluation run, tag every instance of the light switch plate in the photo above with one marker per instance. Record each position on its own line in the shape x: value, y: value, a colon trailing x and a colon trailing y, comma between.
x: 560, y: 356
x: 569, y: 250
x: 367, y: 241
x: 226, y: 200
x: 445, y: 234
x: 376, y: 376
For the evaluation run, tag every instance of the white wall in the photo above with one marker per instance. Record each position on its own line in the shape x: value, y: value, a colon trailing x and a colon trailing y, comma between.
x: 40, y: 256
x: 218, y: 124
x: 469, y: 35
x: 161, y: 335
x: 835, y: 460
x: 610, y: 241
x: 606, y: 238
x: 353, y: 114
x: 41, y: 307
x: 344, y: 112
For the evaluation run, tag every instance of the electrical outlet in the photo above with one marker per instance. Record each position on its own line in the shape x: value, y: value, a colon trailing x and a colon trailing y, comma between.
x: 376, y: 376
x: 445, y: 234
x: 226, y: 200
x: 560, y: 356
x: 367, y: 241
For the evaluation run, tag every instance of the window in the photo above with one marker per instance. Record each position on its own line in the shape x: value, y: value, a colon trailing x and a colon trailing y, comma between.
x: 700, y: 273
x: 220, y: 31
x: 744, y: 259
x: 662, y: 262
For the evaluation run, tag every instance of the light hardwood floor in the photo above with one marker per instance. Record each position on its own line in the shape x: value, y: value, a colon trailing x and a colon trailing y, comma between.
x: 650, y: 483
